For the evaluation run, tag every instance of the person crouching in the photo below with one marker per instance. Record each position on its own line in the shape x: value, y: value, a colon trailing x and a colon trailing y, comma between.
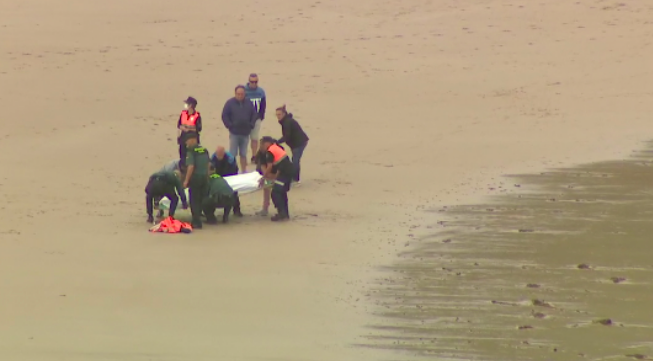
x: 220, y: 195
x: 162, y: 184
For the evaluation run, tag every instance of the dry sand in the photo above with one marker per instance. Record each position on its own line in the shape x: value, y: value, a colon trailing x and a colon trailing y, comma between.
x: 410, y: 105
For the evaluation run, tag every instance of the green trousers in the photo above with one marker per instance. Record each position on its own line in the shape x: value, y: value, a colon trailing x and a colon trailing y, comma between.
x: 197, y: 192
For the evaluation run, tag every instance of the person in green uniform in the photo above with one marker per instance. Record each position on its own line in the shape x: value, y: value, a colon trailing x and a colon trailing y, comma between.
x: 220, y: 195
x: 197, y: 176
x: 160, y: 184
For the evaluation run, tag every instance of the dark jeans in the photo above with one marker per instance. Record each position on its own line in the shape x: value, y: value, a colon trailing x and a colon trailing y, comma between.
x: 210, y: 205
x: 279, y: 196
x: 197, y: 192
x: 154, y: 191
x: 297, y: 154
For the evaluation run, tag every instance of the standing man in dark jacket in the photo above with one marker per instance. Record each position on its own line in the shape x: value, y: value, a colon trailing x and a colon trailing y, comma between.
x: 224, y: 165
x: 189, y: 121
x: 255, y: 94
x: 239, y: 117
x: 294, y: 136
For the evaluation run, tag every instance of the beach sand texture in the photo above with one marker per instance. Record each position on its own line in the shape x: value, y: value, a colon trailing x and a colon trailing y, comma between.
x: 410, y: 105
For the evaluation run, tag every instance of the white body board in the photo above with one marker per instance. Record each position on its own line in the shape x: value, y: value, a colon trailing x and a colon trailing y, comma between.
x: 241, y: 183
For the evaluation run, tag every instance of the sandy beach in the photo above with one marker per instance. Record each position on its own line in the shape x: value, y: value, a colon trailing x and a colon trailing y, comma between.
x: 410, y: 106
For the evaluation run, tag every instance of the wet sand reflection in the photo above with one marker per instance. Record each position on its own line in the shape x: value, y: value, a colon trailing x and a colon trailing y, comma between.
x: 560, y: 269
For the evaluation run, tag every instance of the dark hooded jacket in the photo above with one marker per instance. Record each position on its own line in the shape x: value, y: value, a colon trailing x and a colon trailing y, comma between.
x: 292, y: 132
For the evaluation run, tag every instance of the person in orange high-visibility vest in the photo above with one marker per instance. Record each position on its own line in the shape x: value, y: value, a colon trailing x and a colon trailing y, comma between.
x: 189, y: 121
x: 280, y: 170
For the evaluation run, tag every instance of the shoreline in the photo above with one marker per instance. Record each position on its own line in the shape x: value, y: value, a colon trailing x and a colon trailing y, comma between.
x: 481, y: 287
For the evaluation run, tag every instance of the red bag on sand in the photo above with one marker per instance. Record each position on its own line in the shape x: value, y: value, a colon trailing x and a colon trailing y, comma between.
x: 171, y: 225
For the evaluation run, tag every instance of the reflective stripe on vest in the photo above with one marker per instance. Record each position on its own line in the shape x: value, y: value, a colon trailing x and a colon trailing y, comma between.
x: 189, y: 120
x: 215, y: 176
x: 278, y: 153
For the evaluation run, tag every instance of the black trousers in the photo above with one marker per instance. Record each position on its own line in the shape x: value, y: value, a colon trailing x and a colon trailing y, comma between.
x: 279, y: 196
x: 210, y: 205
x: 155, y: 190
x: 197, y: 192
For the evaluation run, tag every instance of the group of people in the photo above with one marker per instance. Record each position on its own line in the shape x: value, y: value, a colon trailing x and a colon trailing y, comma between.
x: 203, y: 174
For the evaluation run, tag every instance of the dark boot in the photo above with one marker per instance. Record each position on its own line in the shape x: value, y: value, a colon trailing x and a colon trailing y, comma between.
x: 279, y: 218
x: 210, y: 216
x: 237, y: 211
x: 150, y: 219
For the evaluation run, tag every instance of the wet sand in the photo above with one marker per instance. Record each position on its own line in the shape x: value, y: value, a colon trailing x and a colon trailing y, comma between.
x: 556, y: 267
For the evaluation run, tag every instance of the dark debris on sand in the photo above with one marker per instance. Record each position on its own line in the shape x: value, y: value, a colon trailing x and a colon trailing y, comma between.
x: 639, y: 356
x: 541, y: 303
x: 604, y: 322
x: 537, y: 314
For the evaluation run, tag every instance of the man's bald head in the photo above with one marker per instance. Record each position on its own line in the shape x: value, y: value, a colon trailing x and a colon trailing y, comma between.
x: 219, y: 152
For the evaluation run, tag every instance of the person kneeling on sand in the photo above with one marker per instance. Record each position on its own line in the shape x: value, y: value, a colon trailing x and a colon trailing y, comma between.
x: 220, y: 195
x: 224, y: 164
x: 279, y: 169
x: 162, y: 184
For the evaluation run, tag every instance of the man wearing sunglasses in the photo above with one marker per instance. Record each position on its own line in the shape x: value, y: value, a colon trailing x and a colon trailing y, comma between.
x: 256, y: 95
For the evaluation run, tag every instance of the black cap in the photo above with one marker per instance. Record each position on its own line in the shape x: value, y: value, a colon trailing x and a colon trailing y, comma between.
x: 191, y: 101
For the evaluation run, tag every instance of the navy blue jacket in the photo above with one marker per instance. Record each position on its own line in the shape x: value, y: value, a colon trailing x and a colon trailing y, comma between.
x: 239, y: 116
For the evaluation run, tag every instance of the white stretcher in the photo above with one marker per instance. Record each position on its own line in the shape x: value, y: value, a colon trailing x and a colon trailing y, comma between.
x: 242, y: 183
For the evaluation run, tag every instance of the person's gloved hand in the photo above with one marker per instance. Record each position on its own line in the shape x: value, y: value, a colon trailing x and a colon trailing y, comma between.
x: 184, y: 205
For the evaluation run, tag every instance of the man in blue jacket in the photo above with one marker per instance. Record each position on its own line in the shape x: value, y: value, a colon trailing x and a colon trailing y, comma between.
x: 239, y: 117
x: 255, y: 94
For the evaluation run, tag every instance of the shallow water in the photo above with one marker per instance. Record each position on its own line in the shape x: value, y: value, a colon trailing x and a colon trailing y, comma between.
x: 558, y: 268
